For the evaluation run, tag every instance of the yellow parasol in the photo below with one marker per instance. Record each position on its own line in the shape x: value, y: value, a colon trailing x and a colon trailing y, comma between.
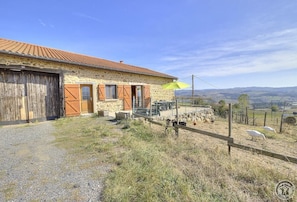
x: 175, y: 85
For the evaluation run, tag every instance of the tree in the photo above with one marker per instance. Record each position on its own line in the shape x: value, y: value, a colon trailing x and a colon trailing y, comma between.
x: 199, y: 101
x: 220, y: 109
x: 274, y: 108
x: 222, y: 102
x: 243, y: 101
x: 235, y: 106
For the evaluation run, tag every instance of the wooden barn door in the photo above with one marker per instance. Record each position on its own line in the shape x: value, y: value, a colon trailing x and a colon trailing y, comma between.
x: 12, y: 96
x: 72, y: 95
x: 42, y: 91
x: 28, y: 96
x: 127, y: 98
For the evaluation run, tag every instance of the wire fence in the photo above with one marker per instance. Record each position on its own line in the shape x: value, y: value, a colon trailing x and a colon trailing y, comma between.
x: 228, y: 139
x: 254, y: 117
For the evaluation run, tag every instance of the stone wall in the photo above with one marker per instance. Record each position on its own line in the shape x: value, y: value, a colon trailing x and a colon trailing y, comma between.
x: 204, y: 115
x: 193, y: 115
x: 76, y: 74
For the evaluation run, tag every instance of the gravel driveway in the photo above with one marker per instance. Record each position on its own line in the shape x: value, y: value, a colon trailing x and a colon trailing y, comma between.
x: 32, y: 168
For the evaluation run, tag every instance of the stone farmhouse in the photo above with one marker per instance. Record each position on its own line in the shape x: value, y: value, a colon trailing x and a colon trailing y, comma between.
x: 41, y: 83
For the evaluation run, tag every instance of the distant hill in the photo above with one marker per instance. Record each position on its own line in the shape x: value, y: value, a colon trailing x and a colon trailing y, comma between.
x: 257, y: 95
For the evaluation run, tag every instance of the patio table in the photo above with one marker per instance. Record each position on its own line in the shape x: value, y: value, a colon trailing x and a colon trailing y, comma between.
x: 164, y: 105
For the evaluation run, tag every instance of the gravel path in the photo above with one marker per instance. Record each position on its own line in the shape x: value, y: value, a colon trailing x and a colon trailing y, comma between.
x: 32, y: 168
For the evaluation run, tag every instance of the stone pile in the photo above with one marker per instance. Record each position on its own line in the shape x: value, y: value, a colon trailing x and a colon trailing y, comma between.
x: 202, y: 115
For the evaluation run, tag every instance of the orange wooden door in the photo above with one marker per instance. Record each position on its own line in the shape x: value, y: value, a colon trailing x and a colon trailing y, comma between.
x: 127, y: 97
x: 71, y: 93
x: 86, y: 98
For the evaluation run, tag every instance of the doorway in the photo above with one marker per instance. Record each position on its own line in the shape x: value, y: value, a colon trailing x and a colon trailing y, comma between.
x: 86, y: 98
x: 137, y: 94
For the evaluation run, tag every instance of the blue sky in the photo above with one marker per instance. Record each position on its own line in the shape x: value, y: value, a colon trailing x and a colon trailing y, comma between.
x: 224, y: 43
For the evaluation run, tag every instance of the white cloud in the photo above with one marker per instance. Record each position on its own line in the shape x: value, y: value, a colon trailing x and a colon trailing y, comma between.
x: 264, y: 53
x: 82, y: 15
x: 41, y: 22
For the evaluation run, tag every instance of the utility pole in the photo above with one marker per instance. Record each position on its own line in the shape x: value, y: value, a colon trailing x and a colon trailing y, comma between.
x: 193, y: 89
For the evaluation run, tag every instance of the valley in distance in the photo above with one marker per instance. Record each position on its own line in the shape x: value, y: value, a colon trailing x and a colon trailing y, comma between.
x: 259, y: 97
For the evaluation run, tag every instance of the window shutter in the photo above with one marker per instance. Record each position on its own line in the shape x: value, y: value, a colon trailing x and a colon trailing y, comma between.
x: 127, y: 97
x: 120, y: 92
x: 146, y: 96
x: 101, y: 92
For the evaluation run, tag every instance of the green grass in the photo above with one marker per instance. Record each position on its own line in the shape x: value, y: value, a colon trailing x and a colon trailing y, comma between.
x: 150, y: 166
x: 87, y: 137
x: 83, y: 134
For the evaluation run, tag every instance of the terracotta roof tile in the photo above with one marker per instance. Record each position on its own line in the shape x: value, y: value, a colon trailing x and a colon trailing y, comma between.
x: 35, y: 51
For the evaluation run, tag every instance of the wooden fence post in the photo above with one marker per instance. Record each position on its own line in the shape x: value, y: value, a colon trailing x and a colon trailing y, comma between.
x: 177, y: 121
x: 246, y: 116
x: 265, y: 118
x: 150, y: 112
x: 230, y: 126
x: 133, y: 106
x: 253, y: 118
x: 281, y: 124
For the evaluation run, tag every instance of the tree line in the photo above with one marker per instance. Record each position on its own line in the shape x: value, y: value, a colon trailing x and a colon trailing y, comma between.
x: 221, y: 108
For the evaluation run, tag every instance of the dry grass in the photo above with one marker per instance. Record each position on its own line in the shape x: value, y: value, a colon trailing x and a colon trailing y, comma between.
x: 283, y: 143
x: 152, y: 166
x: 194, y: 167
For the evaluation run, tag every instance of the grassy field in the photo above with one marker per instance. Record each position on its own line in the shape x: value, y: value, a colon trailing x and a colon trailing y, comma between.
x: 273, y: 119
x: 147, y: 165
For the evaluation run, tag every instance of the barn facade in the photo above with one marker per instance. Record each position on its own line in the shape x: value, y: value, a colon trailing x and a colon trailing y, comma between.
x: 40, y: 83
